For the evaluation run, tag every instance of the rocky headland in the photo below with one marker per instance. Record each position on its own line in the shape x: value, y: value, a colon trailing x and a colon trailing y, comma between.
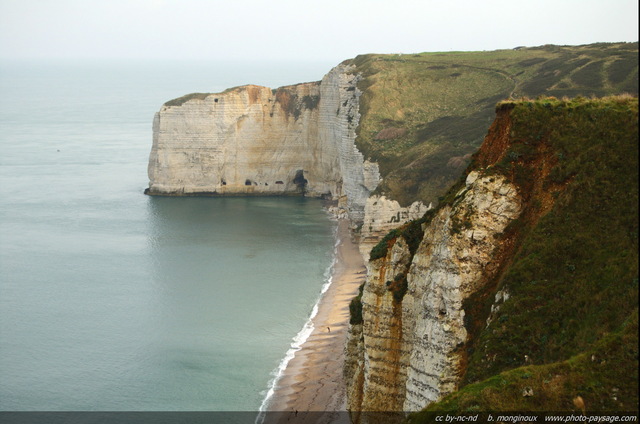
x: 468, y: 236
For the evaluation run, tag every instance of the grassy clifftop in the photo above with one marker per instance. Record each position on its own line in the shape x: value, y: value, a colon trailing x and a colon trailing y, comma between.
x: 423, y: 115
x: 568, y: 328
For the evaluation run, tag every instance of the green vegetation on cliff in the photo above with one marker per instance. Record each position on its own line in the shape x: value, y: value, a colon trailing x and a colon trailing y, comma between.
x: 423, y: 115
x: 182, y: 100
x: 569, y: 326
x: 603, y: 379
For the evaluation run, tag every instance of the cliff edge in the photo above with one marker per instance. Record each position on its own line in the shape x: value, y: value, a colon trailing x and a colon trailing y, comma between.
x: 513, y: 293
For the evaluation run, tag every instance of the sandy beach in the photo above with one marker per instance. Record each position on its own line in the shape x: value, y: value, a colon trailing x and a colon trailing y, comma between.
x: 311, y: 388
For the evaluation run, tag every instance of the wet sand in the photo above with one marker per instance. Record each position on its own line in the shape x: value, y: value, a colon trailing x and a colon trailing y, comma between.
x: 311, y: 388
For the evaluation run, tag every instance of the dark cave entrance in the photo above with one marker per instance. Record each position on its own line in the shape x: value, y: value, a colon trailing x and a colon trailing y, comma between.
x: 300, y: 181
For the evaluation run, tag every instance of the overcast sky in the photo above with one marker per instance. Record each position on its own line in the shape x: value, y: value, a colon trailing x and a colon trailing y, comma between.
x: 323, y: 30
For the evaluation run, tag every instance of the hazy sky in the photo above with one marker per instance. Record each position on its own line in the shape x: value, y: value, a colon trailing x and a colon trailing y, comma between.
x: 321, y: 30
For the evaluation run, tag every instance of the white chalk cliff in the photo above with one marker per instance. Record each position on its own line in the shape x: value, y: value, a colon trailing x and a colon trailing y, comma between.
x: 293, y: 140
x: 382, y: 215
x: 406, y: 354
x: 254, y: 140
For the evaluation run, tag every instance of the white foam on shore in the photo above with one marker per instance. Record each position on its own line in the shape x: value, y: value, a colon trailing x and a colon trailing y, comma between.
x: 301, y: 337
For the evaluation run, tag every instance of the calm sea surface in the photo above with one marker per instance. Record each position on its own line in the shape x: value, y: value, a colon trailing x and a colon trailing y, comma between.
x: 113, y: 300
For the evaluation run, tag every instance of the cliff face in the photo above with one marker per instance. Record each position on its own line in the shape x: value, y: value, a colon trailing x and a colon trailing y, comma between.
x: 411, y: 353
x: 382, y: 215
x: 523, y: 263
x: 254, y: 140
x: 246, y: 140
x: 452, y: 263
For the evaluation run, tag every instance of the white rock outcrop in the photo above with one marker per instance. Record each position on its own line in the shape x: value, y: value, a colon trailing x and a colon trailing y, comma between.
x: 448, y: 267
x: 411, y: 351
x: 382, y: 215
x: 254, y: 140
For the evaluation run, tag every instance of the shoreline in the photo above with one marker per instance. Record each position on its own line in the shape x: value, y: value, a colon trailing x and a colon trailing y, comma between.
x: 312, y: 380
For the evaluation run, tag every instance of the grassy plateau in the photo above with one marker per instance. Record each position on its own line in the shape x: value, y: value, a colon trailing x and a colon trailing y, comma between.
x: 423, y: 115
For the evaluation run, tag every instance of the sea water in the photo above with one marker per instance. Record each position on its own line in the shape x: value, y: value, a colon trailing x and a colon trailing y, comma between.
x: 112, y: 300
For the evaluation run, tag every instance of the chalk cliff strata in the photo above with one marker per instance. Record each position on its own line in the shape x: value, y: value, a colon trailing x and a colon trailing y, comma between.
x: 254, y: 140
x: 410, y: 349
x: 382, y: 215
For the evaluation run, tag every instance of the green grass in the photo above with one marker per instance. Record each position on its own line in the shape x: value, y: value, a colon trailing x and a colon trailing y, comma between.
x: 355, y: 308
x: 411, y: 232
x: 574, y: 278
x: 604, y: 376
x: 182, y: 100
x: 444, y: 103
x: 573, y: 274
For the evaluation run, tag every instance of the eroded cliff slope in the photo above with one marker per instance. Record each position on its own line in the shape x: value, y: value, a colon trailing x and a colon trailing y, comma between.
x: 527, y: 268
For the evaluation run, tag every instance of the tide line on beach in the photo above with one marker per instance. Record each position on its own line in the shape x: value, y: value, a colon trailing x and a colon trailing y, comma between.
x: 310, y: 376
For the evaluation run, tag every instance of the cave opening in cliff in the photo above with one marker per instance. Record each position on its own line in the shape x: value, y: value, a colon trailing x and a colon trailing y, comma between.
x: 300, y: 181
